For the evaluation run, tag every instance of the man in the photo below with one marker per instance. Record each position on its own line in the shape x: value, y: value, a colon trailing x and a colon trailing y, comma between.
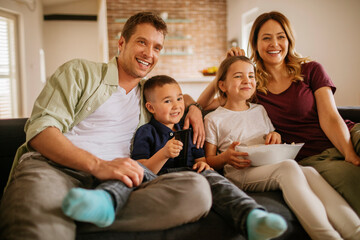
x: 80, y: 133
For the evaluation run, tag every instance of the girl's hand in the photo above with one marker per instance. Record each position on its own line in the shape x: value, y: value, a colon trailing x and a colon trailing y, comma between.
x: 201, y: 166
x: 273, y: 138
x: 172, y: 148
x: 235, y: 51
x: 232, y: 157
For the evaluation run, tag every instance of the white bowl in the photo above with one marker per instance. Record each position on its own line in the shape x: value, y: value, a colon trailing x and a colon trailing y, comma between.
x: 268, y: 154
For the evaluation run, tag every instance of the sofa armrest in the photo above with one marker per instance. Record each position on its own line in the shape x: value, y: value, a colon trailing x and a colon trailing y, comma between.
x: 12, y: 136
x: 350, y: 112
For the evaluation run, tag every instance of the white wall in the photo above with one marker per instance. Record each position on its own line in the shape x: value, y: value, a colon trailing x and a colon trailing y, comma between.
x: 326, y: 30
x: 30, y: 38
x: 66, y: 40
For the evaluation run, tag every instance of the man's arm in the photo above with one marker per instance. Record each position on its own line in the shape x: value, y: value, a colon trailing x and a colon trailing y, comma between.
x: 195, y: 119
x: 54, y: 145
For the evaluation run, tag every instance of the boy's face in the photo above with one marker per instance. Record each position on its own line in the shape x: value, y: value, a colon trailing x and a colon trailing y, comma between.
x: 139, y: 55
x: 166, y: 103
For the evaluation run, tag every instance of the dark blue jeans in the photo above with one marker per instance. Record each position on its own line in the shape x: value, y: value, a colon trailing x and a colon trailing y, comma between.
x: 228, y: 200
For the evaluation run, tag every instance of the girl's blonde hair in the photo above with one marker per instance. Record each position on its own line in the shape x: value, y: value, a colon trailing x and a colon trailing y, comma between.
x: 223, y: 70
x: 293, y: 60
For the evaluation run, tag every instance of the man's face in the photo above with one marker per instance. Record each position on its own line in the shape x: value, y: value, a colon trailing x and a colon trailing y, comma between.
x: 140, y: 54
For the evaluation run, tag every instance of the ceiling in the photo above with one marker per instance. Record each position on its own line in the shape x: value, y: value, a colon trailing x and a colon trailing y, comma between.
x: 47, y: 3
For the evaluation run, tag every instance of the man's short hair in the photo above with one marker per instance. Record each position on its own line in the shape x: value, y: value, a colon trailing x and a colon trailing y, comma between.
x: 156, y: 81
x: 143, y: 17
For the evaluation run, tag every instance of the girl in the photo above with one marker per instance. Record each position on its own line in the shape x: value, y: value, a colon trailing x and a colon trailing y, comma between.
x: 323, y: 213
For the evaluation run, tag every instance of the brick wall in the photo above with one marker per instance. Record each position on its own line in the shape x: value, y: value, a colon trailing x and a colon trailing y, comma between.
x: 205, y: 42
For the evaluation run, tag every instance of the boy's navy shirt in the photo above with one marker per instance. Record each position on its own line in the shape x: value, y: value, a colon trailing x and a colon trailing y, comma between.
x: 153, y: 136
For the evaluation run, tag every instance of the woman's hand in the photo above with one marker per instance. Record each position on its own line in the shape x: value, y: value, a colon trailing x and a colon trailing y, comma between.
x: 355, y: 159
x: 201, y: 166
x: 273, y: 138
x: 232, y: 157
x: 235, y: 51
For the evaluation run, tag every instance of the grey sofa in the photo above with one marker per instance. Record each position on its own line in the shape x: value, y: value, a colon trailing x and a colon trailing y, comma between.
x: 210, y: 227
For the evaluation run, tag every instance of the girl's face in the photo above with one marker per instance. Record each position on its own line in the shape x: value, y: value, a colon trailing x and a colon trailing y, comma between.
x: 272, y: 43
x: 240, y: 83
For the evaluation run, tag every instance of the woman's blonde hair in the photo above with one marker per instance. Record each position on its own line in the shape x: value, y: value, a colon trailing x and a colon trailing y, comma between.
x: 223, y: 70
x: 293, y: 60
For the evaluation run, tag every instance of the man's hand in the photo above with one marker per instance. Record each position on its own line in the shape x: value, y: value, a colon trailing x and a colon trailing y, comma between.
x: 235, y: 51
x: 124, y: 169
x: 195, y: 119
x: 273, y: 138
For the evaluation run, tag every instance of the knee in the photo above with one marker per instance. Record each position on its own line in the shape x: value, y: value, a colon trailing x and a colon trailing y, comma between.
x: 193, y: 196
x: 199, y: 192
x: 310, y: 171
x: 290, y: 166
x: 290, y: 169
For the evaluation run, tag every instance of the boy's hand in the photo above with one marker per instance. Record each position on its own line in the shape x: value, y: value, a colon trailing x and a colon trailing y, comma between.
x: 273, y: 138
x: 201, y: 166
x: 172, y: 148
x: 232, y: 157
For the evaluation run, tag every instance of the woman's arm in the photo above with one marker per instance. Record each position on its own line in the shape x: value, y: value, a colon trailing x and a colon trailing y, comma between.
x: 333, y: 125
x: 207, y: 98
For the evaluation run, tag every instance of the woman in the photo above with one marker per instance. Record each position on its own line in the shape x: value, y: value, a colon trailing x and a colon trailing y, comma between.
x: 298, y: 97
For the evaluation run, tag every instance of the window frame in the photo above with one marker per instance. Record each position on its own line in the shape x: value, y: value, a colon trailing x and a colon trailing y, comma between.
x: 14, y: 66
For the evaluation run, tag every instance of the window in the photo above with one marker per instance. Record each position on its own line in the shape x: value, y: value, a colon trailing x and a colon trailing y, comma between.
x: 9, y: 87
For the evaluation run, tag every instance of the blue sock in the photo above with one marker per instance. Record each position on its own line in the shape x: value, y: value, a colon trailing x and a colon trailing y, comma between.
x: 262, y: 225
x: 94, y: 206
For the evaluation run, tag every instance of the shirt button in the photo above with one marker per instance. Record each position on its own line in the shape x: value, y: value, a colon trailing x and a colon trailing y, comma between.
x: 88, y: 108
x: 171, y: 134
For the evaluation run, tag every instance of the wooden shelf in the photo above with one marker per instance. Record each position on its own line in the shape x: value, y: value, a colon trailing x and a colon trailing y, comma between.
x: 177, y: 54
x: 174, y: 20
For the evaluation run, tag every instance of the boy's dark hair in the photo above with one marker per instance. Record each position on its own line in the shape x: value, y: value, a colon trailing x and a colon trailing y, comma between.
x: 156, y: 81
x: 143, y: 17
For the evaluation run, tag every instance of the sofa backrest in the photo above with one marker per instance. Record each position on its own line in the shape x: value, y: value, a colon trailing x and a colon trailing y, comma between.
x: 12, y: 136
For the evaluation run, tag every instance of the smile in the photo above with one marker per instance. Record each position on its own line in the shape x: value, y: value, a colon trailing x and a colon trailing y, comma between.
x: 174, y: 114
x: 143, y: 62
x: 274, y: 52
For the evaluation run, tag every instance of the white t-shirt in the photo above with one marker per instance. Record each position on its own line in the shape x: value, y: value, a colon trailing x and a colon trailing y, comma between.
x: 108, y: 131
x: 249, y: 127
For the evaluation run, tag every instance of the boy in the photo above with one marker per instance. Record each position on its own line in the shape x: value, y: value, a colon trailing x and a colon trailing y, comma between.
x: 156, y: 148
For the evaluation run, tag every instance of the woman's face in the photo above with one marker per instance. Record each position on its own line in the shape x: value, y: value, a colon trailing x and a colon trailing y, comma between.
x: 272, y: 43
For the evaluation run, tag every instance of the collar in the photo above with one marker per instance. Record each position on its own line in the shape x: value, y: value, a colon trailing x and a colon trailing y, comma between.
x: 111, y: 74
x: 162, y: 129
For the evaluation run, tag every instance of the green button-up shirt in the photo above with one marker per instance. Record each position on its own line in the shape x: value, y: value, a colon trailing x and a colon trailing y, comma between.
x: 72, y: 93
